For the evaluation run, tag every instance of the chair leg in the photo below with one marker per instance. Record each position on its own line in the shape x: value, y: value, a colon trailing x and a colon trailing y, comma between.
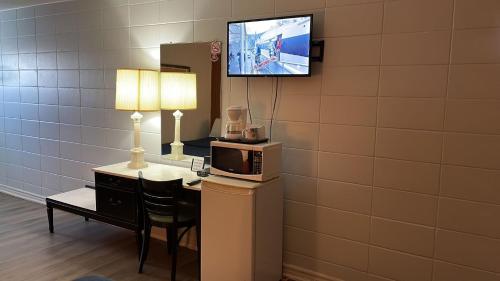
x: 198, y: 244
x: 175, y: 245
x: 138, y: 240
x: 145, y: 245
x: 170, y: 239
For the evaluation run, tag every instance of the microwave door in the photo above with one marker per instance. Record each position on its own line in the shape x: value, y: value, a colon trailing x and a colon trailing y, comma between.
x: 232, y: 160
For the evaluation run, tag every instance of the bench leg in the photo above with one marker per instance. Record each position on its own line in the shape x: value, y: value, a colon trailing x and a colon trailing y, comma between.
x: 86, y: 218
x: 50, y: 216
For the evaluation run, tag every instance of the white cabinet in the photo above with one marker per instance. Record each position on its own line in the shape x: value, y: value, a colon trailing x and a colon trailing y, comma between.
x: 242, y: 230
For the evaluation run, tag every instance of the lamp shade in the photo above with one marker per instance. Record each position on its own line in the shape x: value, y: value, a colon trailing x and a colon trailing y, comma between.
x: 178, y: 90
x: 137, y: 90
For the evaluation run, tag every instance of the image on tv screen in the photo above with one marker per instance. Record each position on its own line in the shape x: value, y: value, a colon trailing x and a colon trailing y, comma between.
x: 274, y: 47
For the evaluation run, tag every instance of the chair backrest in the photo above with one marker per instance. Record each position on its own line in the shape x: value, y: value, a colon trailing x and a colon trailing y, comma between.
x: 159, y: 197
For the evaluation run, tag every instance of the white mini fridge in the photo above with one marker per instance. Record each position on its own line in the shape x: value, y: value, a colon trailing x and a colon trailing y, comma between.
x: 242, y: 230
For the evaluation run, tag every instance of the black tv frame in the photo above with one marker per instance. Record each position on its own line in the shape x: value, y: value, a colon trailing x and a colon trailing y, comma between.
x: 311, y: 59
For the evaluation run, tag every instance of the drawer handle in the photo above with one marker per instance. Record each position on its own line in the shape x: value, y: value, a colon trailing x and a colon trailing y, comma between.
x: 112, y: 202
x: 113, y: 181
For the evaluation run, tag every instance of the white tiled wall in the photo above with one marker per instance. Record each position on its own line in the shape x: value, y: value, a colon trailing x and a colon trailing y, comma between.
x: 391, y: 158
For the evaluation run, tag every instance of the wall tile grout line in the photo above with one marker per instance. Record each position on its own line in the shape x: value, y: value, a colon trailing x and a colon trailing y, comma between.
x: 377, y: 97
x: 438, y: 207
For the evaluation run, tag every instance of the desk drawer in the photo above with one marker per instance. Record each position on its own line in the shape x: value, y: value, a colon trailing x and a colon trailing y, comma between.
x: 116, y: 182
x: 117, y: 204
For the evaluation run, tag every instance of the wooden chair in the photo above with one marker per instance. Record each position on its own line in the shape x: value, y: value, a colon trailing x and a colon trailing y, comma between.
x: 161, y: 205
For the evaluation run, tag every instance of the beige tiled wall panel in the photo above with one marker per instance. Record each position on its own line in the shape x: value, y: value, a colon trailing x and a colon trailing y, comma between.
x: 475, y: 14
x: 473, y: 116
x: 391, y: 157
x: 414, y: 16
x: 404, y: 206
x: 207, y: 9
x: 345, y: 167
x: 300, y: 162
x: 329, y: 269
x: 301, y: 215
x: 424, y: 146
x: 474, y: 81
x: 302, y: 108
x: 343, y: 224
x: 411, y: 113
x: 475, y: 46
x: 470, y: 217
x: 302, y: 135
x: 444, y: 271
x: 331, y: 3
x: 242, y: 8
x: 349, y: 51
x: 467, y: 249
x: 348, y: 253
x: 348, y: 110
x: 431, y: 47
x: 482, y: 151
x: 407, y: 175
x: 353, y: 20
x: 410, y: 238
x: 344, y: 196
x: 399, y: 266
x: 419, y: 81
x: 309, y: 86
x: 291, y: 6
x: 351, y: 81
x: 470, y: 183
x: 347, y: 139
x: 299, y: 188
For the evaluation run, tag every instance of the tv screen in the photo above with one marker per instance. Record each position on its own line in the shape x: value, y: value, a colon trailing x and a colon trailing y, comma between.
x: 270, y: 47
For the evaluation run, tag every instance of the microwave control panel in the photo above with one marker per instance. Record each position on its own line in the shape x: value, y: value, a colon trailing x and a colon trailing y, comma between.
x: 257, y: 162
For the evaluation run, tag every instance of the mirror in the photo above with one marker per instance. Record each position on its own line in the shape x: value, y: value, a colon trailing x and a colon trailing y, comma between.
x: 204, y: 59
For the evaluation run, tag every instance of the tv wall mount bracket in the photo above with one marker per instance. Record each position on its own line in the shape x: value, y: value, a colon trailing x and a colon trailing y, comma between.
x: 320, y: 45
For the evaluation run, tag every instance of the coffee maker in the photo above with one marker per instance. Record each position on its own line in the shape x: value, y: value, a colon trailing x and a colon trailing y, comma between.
x: 237, y: 122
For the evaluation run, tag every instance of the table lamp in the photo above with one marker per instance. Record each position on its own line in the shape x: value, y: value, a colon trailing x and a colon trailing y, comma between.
x: 137, y: 90
x: 178, y: 92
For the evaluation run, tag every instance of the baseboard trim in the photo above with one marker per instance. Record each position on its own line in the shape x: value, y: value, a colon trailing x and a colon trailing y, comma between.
x: 22, y: 194
x: 297, y: 273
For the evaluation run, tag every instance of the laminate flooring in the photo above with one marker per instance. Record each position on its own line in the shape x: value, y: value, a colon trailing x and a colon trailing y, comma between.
x: 77, y: 248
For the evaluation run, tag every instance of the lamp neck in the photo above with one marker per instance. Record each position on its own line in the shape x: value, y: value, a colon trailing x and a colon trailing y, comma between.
x: 136, y: 116
x: 177, y: 114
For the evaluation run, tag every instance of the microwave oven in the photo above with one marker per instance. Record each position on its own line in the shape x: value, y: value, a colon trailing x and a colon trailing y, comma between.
x: 256, y: 162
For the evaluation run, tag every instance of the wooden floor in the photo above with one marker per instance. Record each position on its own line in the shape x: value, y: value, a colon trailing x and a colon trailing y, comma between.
x: 77, y: 248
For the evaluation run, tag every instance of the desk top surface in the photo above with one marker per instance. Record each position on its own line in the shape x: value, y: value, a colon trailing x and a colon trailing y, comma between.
x: 154, y: 171
x: 163, y: 172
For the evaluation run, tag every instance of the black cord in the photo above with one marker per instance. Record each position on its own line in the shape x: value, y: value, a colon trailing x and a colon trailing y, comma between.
x: 248, y: 104
x: 274, y: 108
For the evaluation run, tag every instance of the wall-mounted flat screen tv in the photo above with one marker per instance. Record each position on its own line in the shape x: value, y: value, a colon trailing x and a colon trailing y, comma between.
x: 270, y: 47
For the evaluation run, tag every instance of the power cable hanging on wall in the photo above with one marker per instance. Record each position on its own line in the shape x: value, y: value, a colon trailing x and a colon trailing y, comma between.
x: 248, y: 104
x: 274, y: 109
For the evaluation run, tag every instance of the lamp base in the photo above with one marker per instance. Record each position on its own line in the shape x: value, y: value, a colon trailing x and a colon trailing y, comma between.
x: 177, y: 151
x: 137, y: 158
x: 137, y: 153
